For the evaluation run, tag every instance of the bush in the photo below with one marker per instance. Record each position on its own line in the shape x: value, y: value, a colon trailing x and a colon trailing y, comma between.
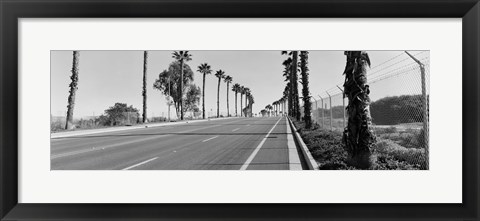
x: 327, y: 149
x: 415, y: 157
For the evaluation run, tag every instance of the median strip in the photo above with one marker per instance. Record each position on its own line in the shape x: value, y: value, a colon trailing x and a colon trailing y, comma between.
x: 250, y: 158
x: 139, y: 164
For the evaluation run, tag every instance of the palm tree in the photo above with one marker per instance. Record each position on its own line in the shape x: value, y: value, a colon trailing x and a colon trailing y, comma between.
x: 228, y: 80
x: 269, y: 108
x: 305, y: 91
x: 246, y: 90
x: 296, y: 105
x: 287, y: 73
x: 204, y: 69
x: 220, y: 74
x: 144, y: 92
x: 358, y: 137
x: 242, y: 92
x: 182, y: 57
x: 236, y: 89
x: 275, y: 103
x: 73, y: 89
x: 251, y: 101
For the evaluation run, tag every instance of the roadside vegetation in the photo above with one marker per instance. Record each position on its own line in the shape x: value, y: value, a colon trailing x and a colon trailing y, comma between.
x: 327, y: 149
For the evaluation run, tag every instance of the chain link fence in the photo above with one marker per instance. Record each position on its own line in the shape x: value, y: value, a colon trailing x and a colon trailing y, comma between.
x: 399, y: 93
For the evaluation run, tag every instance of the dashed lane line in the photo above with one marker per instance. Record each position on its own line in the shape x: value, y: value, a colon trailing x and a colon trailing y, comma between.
x: 139, y: 164
x: 211, y: 138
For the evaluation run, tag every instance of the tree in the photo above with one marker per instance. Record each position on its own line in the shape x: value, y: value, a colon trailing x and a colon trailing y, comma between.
x: 220, y: 75
x: 192, y: 98
x: 182, y: 57
x: 168, y: 82
x: 236, y: 89
x: 275, y: 103
x: 73, y: 90
x: 287, y: 95
x: 269, y: 109
x: 204, y: 69
x: 251, y: 101
x: 246, y: 91
x: 296, y: 104
x: 290, y: 74
x: 242, y: 92
x: 144, y: 91
x: 358, y: 136
x: 120, y: 114
x: 228, y: 79
x: 307, y: 111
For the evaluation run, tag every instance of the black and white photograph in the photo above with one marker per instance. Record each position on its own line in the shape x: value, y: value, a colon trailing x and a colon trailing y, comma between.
x: 239, y: 110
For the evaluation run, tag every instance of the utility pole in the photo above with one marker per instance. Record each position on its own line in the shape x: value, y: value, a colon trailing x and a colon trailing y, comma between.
x: 331, y: 114
x: 343, y: 103
x: 424, y: 107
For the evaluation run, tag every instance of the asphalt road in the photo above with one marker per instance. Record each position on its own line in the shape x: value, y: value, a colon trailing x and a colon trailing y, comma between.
x: 229, y: 144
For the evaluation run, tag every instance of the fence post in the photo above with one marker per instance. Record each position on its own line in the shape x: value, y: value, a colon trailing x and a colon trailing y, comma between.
x: 343, y: 105
x: 425, y: 108
x: 331, y: 112
x: 316, y: 108
x: 323, y: 112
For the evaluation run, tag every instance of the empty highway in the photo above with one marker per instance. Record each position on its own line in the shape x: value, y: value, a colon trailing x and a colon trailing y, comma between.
x: 225, y: 144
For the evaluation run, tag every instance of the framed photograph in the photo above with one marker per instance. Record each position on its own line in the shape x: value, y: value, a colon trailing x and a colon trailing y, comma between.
x: 227, y: 110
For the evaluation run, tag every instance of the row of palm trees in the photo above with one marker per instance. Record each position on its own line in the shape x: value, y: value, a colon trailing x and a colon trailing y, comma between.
x: 290, y: 96
x: 182, y: 57
x: 358, y: 136
x: 206, y: 69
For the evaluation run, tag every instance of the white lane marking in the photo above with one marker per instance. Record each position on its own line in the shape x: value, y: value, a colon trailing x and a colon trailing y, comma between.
x: 104, y: 147
x: 235, y: 129
x: 293, y: 158
x: 124, y: 143
x: 250, y: 158
x: 211, y: 138
x: 141, y: 163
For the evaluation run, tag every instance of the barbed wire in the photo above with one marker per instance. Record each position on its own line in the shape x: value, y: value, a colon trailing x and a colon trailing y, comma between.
x: 386, y: 72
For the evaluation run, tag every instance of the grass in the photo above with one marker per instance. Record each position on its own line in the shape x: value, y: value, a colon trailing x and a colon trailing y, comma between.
x: 328, y: 150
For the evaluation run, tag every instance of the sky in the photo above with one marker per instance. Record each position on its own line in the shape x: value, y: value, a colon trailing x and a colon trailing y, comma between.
x: 107, y: 77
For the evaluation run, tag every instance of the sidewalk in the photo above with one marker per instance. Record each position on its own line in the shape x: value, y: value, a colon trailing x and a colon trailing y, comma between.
x: 124, y: 128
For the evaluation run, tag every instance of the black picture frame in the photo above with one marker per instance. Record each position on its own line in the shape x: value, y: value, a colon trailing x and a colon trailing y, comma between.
x: 12, y: 10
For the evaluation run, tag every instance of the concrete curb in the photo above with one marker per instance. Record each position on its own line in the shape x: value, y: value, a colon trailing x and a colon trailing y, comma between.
x: 125, y: 128
x: 294, y: 162
x: 311, y: 163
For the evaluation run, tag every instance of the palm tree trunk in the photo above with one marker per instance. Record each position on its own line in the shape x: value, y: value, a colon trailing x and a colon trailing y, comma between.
x: 246, y: 105
x: 241, y: 104
x: 358, y: 137
x: 181, y: 89
x: 296, y: 106
x: 228, y: 107
x: 236, y: 113
x: 305, y: 91
x: 144, y: 92
x: 203, y: 97
x: 73, y: 89
x: 218, y: 98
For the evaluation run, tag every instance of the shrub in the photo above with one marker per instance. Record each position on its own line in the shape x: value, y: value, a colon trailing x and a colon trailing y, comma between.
x: 327, y: 149
x: 415, y: 157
